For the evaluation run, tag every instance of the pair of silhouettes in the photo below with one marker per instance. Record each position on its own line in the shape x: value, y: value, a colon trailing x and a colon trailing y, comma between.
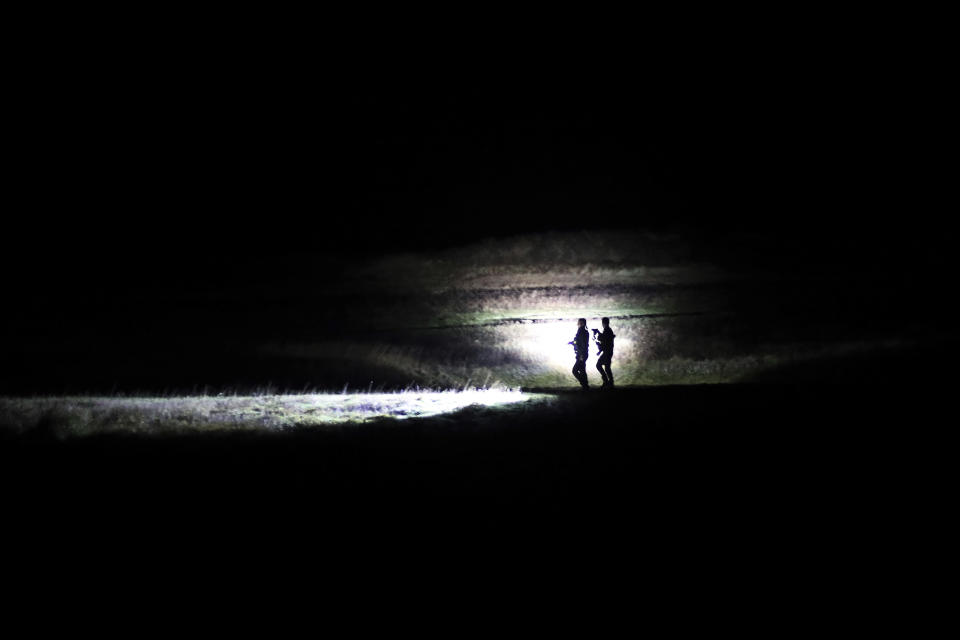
x: 604, y: 340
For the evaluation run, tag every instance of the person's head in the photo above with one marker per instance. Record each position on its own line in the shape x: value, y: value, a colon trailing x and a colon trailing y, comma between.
x: 605, y: 322
x: 582, y: 322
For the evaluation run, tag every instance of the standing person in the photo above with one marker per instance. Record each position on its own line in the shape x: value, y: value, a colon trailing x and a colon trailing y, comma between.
x: 581, y: 348
x: 605, y: 344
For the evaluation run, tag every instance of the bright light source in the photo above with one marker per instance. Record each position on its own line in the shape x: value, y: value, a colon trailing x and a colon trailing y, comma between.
x: 546, y: 342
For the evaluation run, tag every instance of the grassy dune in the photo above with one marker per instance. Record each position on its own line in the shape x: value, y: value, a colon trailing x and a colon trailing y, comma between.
x: 494, y: 313
x: 503, y: 311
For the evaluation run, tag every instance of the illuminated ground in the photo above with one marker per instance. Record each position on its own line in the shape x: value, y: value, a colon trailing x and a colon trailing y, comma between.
x: 748, y: 406
x: 83, y: 416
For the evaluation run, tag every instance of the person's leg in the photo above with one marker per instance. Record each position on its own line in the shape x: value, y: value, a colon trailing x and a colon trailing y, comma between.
x: 580, y: 373
x: 603, y: 374
x: 603, y: 366
x: 608, y: 378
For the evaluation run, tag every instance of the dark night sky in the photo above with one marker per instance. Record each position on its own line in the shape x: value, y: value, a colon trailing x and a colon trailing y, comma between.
x: 160, y: 163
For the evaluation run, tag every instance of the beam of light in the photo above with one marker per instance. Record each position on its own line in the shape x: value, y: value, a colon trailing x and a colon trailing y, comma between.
x: 414, y: 403
x: 80, y: 416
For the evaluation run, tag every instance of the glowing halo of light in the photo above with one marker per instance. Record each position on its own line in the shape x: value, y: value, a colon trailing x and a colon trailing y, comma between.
x: 546, y: 341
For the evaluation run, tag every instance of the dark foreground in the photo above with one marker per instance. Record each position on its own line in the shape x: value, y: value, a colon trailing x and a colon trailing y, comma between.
x: 800, y: 469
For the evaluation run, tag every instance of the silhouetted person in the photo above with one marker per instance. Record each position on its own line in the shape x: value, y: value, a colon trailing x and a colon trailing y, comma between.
x: 581, y: 348
x: 605, y: 344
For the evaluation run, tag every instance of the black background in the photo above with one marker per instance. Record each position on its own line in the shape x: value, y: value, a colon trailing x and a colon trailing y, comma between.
x: 159, y: 162
x: 150, y: 159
